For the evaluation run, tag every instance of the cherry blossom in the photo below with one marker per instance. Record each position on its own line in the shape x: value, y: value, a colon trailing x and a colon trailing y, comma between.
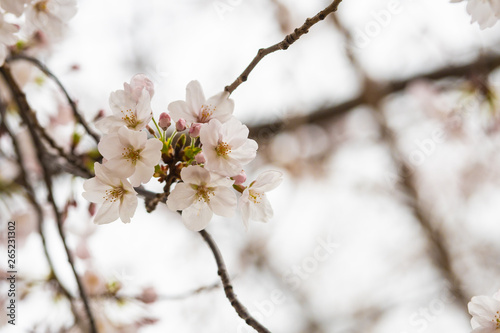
x: 485, y: 311
x: 200, y: 195
x: 135, y: 114
x: 254, y: 203
x: 130, y: 154
x: 137, y: 84
x: 485, y: 12
x: 50, y: 16
x: 117, y: 196
x: 197, y: 109
x: 226, y: 146
x: 15, y: 7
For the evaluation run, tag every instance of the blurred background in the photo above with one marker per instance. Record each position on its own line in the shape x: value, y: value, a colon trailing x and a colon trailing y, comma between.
x: 384, y: 119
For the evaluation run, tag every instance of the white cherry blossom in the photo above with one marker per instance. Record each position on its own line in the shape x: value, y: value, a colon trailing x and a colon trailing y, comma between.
x: 137, y: 84
x: 485, y: 12
x: 197, y: 109
x: 226, y: 146
x: 130, y: 154
x: 485, y: 311
x: 50, y: 16
x: 135, y: 114
x: 117, y: 196
x: 254, y: 204
x: 200, y: 195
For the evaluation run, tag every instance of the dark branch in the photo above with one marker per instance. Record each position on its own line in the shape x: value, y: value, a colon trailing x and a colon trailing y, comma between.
x: 24, y: 112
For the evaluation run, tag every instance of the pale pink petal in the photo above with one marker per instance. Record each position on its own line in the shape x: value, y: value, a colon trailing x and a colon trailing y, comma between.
x: 225, y: 106
x: 107, y: 213
x: 108, y: 146
x: 119, y: 167
x: 128, y: 207
x: 267, y: 181
x: 194, y: 95
x: 151, y: 155
x: 223, y: 202
x: 142, y: 174
x: 195, y: 174
x: 197, y: 216
x: 182, y: 110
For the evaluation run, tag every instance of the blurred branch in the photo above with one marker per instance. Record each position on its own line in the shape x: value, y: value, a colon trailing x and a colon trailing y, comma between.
x: 484, y: 64
x: 373, y: 94
x: 72, y: 103
x: 30, y: 194
x: 25, y: 112
x: 284, y: 44
x: 228, y: 288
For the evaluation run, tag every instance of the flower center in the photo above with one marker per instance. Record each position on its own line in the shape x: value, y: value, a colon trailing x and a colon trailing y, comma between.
x: 41, y: 6
x: 129, y: 118
x: 131, y: 155
x: 496, y: 319
x: 204, y: 193
x: 206, y: 112
x: 223, y: 149
x: 256, y: 197
x: 114, y: 194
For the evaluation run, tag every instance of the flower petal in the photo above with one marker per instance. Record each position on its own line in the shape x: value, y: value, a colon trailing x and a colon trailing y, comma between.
x: 197, y: 216
x: 223, y: 202
x: 107, y: 213
x: 181, y: 197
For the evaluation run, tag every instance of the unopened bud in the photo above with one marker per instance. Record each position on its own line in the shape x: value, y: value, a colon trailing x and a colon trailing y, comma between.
x: 165, y: 121
x: 148, y: 295
x: 194, y: 130
x: 240, y: 179
x: 200, y: 158
x: 180, y: 125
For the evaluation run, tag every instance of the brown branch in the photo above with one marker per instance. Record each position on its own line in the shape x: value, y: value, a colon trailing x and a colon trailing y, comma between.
x: 484, y: 64
x: 284, y: 44
x: 49, y: 73
x: 373, y: 96
x: 24, y: 111
x: 228, y: 288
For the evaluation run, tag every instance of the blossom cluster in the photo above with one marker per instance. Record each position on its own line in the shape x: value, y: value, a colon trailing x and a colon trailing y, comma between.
x: 202, y: 159
x: 485, y: 12
x: 27, y: 17
x: 485, y: 311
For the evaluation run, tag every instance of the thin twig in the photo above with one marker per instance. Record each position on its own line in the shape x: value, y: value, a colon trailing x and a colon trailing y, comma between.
x: 24, y: 110
x: 284, y: 44
x: 49, y: 73
x: 228, y: 288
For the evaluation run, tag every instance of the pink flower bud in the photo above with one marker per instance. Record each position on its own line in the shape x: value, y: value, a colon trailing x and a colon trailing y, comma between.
x: 165, y: 121
x: 148, y: 295
x: 240, y: 179
x: 200, y: 158
x: 180, y: 125
x: 194, y: 130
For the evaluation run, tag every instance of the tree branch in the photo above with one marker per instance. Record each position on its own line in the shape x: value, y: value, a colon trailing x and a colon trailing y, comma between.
x: 284, y: 44
x: 72, y: 103
x: 483, y: 64
x: 228, y: 288
x: 24, y: 111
